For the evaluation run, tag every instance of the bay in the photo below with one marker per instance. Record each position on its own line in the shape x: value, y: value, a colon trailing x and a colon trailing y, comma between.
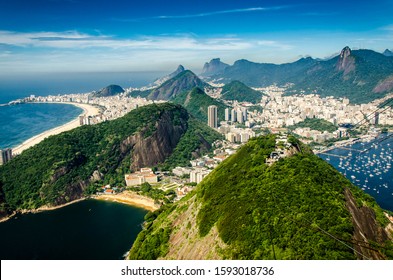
x: 86, y: 230
x: 368, y: 165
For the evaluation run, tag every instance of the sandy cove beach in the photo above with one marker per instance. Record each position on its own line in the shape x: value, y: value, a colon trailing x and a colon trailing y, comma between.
x: 130, y: 198
x: 89, y: 110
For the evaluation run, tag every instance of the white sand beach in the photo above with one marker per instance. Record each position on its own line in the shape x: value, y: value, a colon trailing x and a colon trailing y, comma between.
x: 89, y: 110
x: 130, y: 198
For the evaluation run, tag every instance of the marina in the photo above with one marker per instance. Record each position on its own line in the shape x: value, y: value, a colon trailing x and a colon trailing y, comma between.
x: 367, y: 165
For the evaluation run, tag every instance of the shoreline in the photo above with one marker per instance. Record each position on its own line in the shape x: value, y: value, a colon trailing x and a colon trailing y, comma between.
x: 88, y: 109
x: 41, y: 209
x: 125, y: 197
x: 129, y: 198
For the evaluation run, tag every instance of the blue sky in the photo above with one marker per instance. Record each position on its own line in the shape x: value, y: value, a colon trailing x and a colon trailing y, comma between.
x: 119, y: 35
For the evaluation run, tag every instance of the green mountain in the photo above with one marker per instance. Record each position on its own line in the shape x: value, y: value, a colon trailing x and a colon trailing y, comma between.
x: 67, y: 166
x: 196, y: 101
x: 299, y: 207
x: 183, y: 82
x: 360, y: 75
x: 236, y: 90
x: 110, y: 90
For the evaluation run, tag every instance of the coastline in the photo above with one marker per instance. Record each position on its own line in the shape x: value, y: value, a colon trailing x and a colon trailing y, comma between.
x: 125, y: 197
x: 129, y: 198
x: 41, y: 209
x: 87, y: 110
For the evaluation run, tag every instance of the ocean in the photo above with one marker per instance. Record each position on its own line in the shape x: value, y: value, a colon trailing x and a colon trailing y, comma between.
x: 21, y: 122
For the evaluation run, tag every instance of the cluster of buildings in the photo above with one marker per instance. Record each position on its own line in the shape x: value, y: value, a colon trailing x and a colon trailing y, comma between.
x: 5, y: 156
x: 140, y: 177
x: 112, y: 107
x: 320, y: 137
x: 280, y: 111
x: 234, y: 115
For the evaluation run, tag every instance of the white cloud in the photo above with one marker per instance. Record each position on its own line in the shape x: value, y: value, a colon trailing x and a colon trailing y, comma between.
x: 206, y: 14
x: 76, y: 40
x: 61, y: 51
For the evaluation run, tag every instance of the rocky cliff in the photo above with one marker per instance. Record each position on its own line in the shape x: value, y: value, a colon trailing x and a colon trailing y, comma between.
x: 346, y: 62
x: 156, y: 148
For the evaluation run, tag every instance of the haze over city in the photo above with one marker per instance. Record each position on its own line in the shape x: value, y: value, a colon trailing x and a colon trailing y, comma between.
x: 118, y: 35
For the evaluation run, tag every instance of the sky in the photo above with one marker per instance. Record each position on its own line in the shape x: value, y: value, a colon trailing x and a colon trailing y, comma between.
x: 56, y: 36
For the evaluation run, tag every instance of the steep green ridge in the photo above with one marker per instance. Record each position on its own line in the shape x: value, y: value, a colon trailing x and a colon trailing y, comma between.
x: 109, y: 91
x: 183, y: 82
x: 65, y: 167
x: 236, y: 90
x: 298, y: 208
x: 316, y: 124
x: 196, y: 101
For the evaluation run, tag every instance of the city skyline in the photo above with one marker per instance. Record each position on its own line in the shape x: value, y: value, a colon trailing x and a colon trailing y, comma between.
x: 96, y: 36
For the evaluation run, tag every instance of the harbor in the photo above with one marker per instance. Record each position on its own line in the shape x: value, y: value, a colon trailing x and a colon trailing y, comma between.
x: 368, y: 165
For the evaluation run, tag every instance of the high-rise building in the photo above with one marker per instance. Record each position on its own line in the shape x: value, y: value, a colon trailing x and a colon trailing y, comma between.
x: 239, y: 116
x: 233, y: 115
x: 5, y: 156
x: 212, y: 116
x: 376, y: 121
x: 227, y: 114
x: 244, y: 110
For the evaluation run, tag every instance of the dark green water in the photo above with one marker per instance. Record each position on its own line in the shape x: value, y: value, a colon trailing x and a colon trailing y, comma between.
x: 87, y: 230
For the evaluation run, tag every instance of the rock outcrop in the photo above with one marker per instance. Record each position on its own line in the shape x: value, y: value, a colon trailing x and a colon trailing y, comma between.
x: 215, y: 66
x: 346, y: 62
x: 154, y: 149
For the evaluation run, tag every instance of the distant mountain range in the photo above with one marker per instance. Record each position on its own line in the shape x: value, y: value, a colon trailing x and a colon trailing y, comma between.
x: 360, y: 75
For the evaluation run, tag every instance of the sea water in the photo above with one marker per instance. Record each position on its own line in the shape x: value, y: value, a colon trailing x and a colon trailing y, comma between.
x: 86, y: 230
x: 368, y: 165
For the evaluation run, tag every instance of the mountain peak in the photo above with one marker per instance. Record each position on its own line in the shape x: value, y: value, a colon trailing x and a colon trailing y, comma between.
x: 388, y: 53
x: 184, y: 81
x: 179, y: 69
x: 346, y: 63
x: 215, y: 66
x: 162, y: 80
